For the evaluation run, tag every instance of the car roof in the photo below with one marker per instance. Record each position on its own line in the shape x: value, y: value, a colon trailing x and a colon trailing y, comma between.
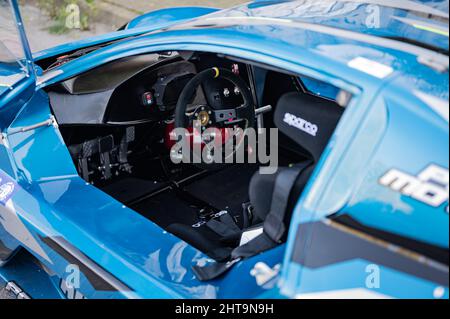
x: 408, y: 39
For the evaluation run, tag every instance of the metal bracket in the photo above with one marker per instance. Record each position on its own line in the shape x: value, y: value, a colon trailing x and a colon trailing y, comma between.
x: 260, y: 116
x: 46, y: 123
x: 4, y: 140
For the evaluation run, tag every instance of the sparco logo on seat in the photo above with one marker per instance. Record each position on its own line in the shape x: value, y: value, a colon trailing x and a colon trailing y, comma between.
x: 301, y: 124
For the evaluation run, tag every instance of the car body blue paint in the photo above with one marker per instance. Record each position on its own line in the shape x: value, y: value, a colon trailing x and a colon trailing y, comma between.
x: 7, y: 71
x: 33, y: 280
x: 378, y: 131
x: 14, y: 99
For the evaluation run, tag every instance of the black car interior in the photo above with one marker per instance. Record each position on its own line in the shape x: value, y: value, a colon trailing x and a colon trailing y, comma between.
x: 116, y: 120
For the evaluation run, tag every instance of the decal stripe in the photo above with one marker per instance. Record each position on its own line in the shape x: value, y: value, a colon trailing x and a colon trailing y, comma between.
x: 411, y: 247
x: 5, y: 252
x: 99, y: 278
x: 330, y: 245
x: 357, y: 293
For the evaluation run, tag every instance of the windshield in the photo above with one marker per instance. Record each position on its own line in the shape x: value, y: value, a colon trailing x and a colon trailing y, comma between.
x: 50, y: 23
x: 12, y: 62
x: 11, y: 50
x: 418, y: 22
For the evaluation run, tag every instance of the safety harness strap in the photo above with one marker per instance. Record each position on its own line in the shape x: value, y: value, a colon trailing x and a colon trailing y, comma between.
x: 274, y: 225
x: 213, y: 270
x: 226, y: 227
x: 274, y: 228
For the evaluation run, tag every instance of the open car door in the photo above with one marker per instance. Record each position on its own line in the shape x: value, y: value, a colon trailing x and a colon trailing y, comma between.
x: 17, y: 75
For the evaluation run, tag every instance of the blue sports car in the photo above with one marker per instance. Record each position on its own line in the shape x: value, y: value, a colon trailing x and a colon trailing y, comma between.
x: 93, y: 203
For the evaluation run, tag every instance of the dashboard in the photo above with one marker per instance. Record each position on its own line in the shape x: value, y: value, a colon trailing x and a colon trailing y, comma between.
x: 142, y: 89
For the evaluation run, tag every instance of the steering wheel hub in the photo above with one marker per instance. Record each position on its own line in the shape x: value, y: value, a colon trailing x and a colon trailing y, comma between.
x: 219, y: 119
x: 203, y: 117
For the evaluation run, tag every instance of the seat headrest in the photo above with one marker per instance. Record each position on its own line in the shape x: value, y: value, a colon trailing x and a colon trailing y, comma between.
x: 308, y: 120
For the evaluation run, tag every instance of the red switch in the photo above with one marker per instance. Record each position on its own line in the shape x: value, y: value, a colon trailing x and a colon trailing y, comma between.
x: 148, y: 99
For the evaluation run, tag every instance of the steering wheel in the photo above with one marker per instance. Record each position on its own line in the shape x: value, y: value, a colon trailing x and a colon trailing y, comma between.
x: 200, y: 119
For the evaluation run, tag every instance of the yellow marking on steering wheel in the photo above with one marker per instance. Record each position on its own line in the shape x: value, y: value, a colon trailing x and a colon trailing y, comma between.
x: 217, y: 72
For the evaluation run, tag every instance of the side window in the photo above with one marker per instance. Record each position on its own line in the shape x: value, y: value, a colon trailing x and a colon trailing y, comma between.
x: 320, y: 88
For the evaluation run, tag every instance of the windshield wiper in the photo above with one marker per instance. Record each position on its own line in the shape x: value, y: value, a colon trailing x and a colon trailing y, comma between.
x: 72, y: 56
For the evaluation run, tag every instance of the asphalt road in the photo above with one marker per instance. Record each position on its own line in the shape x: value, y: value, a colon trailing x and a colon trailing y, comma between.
x: 111, y: 14
x: 6, y: 294
x: 8, y: 36
x: 146, y: 5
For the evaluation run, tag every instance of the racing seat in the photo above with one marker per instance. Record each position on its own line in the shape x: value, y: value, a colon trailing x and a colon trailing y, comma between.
x: 309, y: 121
